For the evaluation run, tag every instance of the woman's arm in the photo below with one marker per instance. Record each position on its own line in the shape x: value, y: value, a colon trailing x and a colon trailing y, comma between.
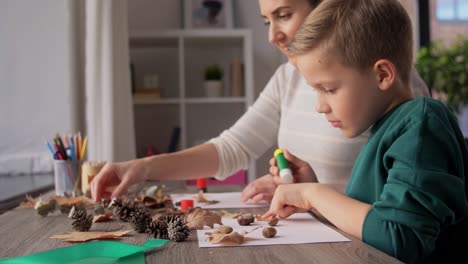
x: 250, y: 137
x: 196, y: 162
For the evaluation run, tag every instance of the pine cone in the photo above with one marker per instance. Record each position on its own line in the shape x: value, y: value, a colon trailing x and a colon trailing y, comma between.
x: 124, y: 208
x: 177, y: 229
x: 140, y: 220
x: 83, y: 221
x: 157, y: 229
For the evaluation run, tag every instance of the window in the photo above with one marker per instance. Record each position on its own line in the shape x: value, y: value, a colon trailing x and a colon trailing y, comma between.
x: 452, y: 10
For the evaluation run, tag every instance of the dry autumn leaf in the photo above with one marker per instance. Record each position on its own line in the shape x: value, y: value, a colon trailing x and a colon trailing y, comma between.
x: 233, y: 238
x: 102, y: 218
x: 154, y: 203
x: 201, y: 198
x: 87, y: 236
x: 223, y: 230
x: 31, y: 202
x: 259, y: 218
x: 230, y: 215
x: 61, y: 200
x: 198, y: 218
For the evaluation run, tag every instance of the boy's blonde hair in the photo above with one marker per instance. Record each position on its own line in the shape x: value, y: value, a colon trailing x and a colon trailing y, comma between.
x: 360, y: 32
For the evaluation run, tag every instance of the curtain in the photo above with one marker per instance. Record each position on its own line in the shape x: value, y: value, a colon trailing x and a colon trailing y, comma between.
x: 109, y: 108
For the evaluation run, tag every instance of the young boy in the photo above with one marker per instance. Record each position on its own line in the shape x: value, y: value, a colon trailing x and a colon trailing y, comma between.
x: 407, y: 193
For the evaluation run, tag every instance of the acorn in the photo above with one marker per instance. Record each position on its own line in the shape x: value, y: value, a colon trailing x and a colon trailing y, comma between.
x: 269, y: 232
x: 245, y: 219
x: 273, y: 221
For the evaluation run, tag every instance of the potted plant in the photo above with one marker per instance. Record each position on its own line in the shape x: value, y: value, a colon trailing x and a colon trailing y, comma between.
x: 213, y: 81
x: 445, y: 70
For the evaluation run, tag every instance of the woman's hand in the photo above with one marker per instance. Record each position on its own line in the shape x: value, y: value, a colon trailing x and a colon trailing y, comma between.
x: 262, y: 189
x: 301, y: 170
x: 120, y: 175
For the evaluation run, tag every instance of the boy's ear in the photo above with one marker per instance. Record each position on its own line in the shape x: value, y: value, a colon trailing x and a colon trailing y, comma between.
x: 385, y: 74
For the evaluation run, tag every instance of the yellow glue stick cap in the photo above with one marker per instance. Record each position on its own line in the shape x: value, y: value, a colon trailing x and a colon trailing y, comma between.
x: 277, y: 152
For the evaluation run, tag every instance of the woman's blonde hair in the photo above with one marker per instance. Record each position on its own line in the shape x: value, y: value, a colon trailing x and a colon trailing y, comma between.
x: 313, y: 3
x: 360, y: 32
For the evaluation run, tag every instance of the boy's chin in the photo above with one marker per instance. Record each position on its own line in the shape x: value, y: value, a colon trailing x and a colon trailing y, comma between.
x: 349, y: 133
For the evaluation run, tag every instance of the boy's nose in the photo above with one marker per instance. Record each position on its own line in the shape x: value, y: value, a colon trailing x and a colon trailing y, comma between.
x: 321, y: 106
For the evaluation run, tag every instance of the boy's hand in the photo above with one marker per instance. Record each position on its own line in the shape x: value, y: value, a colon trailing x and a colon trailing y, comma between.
x: 301, y: 170
x: 262, y: 189
x: 290, y: 199
x: 120, y: 175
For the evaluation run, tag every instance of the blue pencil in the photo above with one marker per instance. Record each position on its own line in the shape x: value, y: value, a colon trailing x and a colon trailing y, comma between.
x: 72, y: 150
x: 50, y: 149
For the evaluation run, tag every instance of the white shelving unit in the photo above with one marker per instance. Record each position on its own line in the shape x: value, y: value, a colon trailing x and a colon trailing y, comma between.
x: 179, y: 58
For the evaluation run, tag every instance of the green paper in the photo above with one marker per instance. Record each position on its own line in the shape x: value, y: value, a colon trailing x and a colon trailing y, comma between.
x: 104, y: 252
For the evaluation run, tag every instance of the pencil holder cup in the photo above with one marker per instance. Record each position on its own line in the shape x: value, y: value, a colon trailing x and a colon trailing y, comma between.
x: 66, y: 177
x: 89, y: 169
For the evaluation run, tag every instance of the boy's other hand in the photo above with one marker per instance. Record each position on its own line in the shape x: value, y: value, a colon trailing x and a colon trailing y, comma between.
x: 301, y: 170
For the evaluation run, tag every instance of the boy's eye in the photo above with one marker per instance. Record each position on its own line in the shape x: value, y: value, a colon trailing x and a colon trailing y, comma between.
x: 266, y: 22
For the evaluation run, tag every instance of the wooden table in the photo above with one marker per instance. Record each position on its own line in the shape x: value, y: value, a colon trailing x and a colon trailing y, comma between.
x: 23, y: 231
x: 13, y: 188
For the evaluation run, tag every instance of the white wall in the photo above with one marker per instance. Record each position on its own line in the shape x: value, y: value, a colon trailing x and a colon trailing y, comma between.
x: 165, y: 14
x: 36, y: 71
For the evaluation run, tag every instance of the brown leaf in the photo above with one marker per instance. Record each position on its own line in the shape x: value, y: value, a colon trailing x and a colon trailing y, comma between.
x: 73, y: 200
x: 230, y: 215
x: 259, y: 218
x: 202, y: 199
x: 198, y: 218
x: 233, y: 238
x: 86, y: 236
x: 61, y: 200
x: 223, y: 230
x: 102, y: 218
x: 30, y: 203
x: 154, y: 203
x: 151, y: 202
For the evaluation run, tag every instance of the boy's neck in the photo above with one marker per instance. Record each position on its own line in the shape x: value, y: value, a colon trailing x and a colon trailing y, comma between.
x: 400, y: 92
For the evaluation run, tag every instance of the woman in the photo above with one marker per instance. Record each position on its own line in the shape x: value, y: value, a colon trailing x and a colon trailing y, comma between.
x: 283, y: 115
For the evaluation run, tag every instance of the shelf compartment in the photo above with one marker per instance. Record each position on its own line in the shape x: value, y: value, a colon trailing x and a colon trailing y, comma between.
x: 215, y: 100
x: 217, y: 117
x: 154, y: 125
x: 141, y: 101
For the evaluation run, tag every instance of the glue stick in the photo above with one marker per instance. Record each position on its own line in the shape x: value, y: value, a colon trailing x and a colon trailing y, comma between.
x: 283, y: 165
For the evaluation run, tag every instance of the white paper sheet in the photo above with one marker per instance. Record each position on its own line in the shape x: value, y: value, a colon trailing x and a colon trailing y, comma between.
x: 299, y: 228
x: 226, y: 200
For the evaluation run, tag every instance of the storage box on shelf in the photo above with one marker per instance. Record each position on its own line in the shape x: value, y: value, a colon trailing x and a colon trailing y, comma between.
x: 179, y: 58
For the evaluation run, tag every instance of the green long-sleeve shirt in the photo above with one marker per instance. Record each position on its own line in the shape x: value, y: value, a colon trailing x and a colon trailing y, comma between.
x: 412, y: 171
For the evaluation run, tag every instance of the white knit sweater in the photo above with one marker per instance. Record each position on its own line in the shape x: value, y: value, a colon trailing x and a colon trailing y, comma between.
x: 285, y: 114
